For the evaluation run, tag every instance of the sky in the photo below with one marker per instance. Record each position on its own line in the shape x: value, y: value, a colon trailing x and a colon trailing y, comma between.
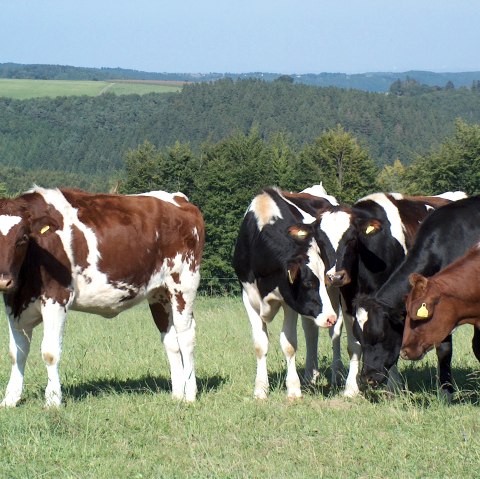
x: 240, y: 36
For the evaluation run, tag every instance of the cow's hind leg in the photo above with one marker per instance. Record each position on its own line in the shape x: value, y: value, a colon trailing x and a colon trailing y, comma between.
x: 20, y: 339
x: 162, y: 315
x: 288, y: 342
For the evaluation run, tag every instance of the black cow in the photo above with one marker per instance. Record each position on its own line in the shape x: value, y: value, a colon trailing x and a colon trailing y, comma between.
x: 444, y: 235
x: 280, y: 257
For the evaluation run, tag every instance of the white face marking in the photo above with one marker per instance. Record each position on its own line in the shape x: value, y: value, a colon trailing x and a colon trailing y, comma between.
x: 7, y: 222
x: 393, y: 216
x: 362, y: 317
x: 307, y: 217
x: 317, y: 266
x: 334, y: 225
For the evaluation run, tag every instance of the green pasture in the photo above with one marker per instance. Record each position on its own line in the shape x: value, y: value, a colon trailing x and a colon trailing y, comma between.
x: 25, y: 89
x: 118, y: 420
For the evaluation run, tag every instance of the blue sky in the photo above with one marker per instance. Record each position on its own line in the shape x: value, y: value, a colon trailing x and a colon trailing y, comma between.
x: 280, y: 36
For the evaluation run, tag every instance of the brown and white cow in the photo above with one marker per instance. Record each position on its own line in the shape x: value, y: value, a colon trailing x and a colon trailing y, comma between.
x: 436, y: 305
x: 102, y: 254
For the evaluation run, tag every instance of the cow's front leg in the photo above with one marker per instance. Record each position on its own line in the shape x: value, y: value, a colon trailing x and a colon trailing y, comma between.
x: 310, y: 329
x: 355, y: 354
x: 288, y: 342
x: 20, y: 339
x: 260, y: 343
x: 54, y: 315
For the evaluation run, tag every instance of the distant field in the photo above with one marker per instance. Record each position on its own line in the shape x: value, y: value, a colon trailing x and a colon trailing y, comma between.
x: 25, y: 89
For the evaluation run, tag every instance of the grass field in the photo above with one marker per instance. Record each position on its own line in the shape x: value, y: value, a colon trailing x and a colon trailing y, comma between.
x: 119, y: 420
x: 25, y: 89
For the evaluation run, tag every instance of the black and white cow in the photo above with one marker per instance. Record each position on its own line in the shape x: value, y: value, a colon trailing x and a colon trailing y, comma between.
x: 444, y: 235
x: 375, y: 236
x: 280, y: 257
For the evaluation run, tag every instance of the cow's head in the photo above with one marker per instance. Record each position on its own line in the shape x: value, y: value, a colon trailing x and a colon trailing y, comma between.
x: 17, y: 228
x: 379, y: 329
x: 304, y: 286
x: 430, y: 317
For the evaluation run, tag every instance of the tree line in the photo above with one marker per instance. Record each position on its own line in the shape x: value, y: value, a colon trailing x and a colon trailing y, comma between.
x: 90, y: 135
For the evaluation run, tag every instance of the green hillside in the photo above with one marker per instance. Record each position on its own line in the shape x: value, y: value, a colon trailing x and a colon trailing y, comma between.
x: 27, y: 89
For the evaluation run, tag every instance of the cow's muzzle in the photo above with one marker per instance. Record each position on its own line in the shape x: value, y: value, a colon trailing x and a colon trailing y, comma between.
x: 338, y: 278
x: 7, y: 283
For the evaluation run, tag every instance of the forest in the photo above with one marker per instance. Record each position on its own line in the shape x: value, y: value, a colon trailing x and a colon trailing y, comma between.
x: 221, y: 142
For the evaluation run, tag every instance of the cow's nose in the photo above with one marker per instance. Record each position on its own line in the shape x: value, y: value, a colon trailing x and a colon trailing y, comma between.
x: 331, y: 320
x: 338, y: 278
x: 6, y: 283
x: 403, y: 353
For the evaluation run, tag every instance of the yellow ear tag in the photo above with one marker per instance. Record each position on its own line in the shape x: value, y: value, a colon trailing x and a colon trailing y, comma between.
x: 290, y: 277
x: 302, y: 233
x: 422, y: 311
x: 369, y: 229
x: 44, y: 229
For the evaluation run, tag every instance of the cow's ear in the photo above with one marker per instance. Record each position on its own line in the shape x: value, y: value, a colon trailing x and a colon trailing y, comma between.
x: 43, y: 226
x: 300, y: 232
x: 416, y: 280
x: 293, y: 272
x: 370, y: 227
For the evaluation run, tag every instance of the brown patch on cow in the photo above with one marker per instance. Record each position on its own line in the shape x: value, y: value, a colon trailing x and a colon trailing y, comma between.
x: 258, y: 352
x: 12, y: 357
x: 160, y: 316
x: 413, y: 210
x: 180, y: 301
x: 175, y: 278
x: 80, y: 247
x: 49, y: 358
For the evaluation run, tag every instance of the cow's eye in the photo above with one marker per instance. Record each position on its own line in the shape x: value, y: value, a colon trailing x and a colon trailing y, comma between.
x: 22, y: 240
x: 308, y: 284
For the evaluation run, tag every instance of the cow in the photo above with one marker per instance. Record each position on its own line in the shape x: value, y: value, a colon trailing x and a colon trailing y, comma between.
x: 375, y: 237
x: 437, y: 305
x: 445, y: 235
x: 279, y: 258
x: 102, y: 254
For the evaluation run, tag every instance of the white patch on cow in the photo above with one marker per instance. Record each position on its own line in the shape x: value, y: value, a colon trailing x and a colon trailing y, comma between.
x: 319, y: 192
x: 396, y: 225
x: 194, y: 234
x: 317, y: 266
x: 164, y: 196
x: 362, y: 317
x: 453, y: 195
x: 307, y: 217
x: 265, y: 209
x: 397, y: 196
x: 428, y: 208
x: 7, y: 222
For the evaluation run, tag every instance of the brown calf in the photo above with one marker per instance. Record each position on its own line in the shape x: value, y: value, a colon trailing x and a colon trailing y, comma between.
x: 436, y: 305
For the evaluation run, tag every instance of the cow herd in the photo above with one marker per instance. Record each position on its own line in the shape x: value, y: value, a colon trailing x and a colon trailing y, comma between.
x: 399, y: 273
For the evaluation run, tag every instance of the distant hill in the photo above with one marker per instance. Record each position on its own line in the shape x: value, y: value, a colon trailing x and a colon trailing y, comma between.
x: 372, y: 82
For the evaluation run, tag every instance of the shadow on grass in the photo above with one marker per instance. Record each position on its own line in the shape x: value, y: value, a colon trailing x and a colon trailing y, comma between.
x: 420, y: 385
x: 142, y: 385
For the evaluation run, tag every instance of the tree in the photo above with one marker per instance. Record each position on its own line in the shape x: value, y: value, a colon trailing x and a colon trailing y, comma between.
x: 336, y: 159
x: 392, y: 178
x: 455, y: 165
